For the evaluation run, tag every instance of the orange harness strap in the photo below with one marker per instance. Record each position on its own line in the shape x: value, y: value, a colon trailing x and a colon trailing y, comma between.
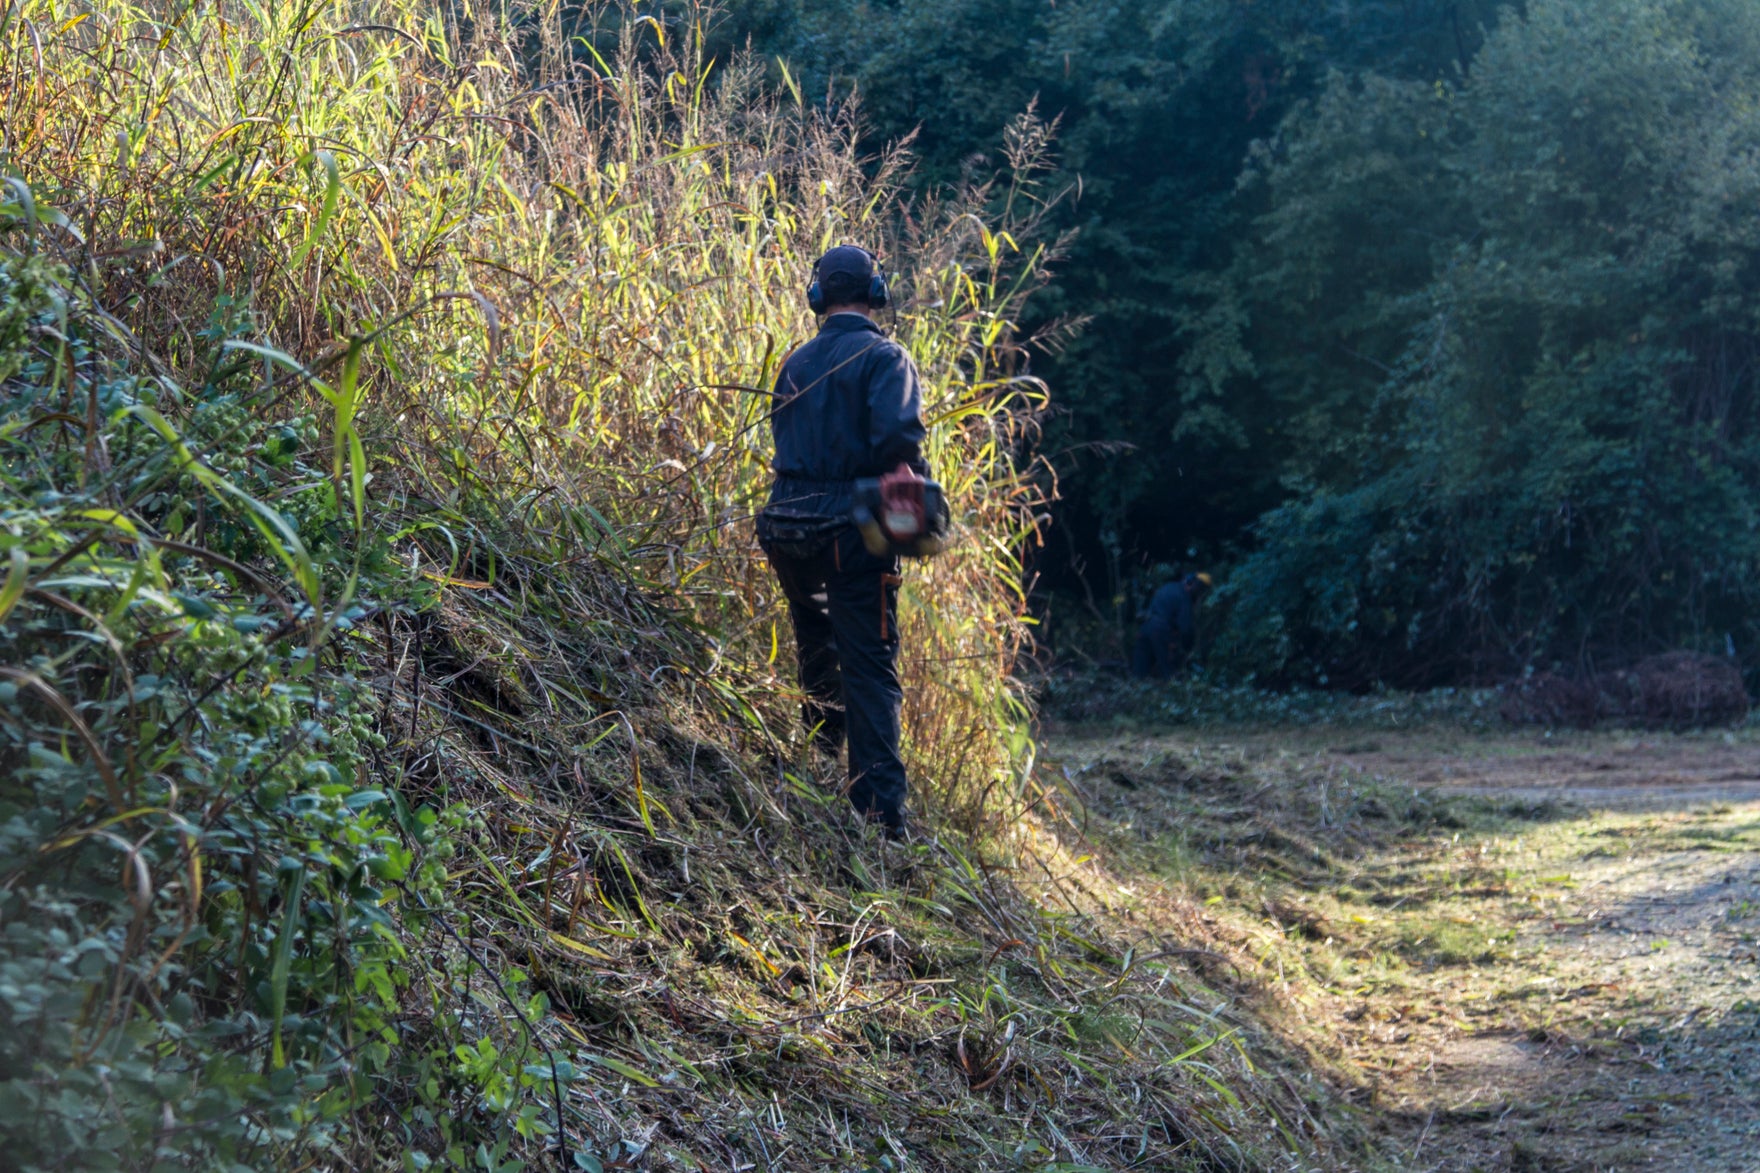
x: 887, y: 580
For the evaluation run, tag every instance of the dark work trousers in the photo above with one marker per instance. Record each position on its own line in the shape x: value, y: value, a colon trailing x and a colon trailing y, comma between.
x: 844, y: 604
x: 1159, y: 653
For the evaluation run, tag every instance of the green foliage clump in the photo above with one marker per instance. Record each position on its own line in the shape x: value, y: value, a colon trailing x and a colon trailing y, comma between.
x: 181, y: 822
x: 208, y: 910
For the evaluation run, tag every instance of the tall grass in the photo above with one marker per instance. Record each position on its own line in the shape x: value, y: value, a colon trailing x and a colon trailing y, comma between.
x: 572, y: 281
x: 390, y: 391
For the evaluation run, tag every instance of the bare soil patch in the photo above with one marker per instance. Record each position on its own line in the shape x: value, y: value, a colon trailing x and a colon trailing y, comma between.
x: 1519, y: 952
x: 1615, y: 1026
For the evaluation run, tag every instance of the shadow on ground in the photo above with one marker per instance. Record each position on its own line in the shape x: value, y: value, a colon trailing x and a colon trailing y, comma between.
x: 1516, y: 952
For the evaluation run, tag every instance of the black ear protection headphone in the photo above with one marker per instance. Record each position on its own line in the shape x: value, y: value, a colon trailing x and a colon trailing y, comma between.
x: 878, y: 294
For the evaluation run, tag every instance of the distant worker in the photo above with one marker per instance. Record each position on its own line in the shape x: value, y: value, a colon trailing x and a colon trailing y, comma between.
x: 848, y: 407
x: 1169, y: 633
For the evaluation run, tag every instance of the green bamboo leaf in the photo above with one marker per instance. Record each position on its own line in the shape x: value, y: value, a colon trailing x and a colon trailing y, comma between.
x: 332, y: 190
x: 280, y: 358
x: 270, y: 524
x: 17, y: 576
x: 283, y: 962
x: 1199, y: 1048
x: 347, y: 440
x: 357, y: 477
x: 624, y: 1069
x: 604, y: 66
x: 27, y: 206
x: 788, y: 81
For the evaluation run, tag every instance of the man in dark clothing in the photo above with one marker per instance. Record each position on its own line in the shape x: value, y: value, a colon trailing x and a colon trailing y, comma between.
x: 848, y: 405
x: 1169, y: 632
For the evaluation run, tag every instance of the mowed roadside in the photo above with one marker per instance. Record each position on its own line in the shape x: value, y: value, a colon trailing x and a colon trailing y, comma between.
x: 1518, y: 951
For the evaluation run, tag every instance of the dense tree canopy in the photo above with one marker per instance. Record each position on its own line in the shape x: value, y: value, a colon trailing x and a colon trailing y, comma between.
x: 1508, y: 327
x: 1440, y: 318
x: 1156, y: 106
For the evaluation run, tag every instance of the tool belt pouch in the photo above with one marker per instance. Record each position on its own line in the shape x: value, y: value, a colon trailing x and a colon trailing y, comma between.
x: 871, y: 521
x: 795, y: 535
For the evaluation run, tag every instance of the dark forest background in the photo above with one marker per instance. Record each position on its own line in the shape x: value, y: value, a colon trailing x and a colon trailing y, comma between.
x: 1430, y: 325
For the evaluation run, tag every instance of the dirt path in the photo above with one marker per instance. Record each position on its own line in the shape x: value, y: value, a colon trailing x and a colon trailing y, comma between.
x: 1553, y: 968
x: 1613, y: 1026
x: 1599, y: 771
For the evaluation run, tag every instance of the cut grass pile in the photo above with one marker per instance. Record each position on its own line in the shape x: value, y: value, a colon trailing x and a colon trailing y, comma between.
x: 396, y: 768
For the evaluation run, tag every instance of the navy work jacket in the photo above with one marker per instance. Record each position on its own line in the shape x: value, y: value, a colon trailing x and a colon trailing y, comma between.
x: 848, y: 405
x: 1171, y: 609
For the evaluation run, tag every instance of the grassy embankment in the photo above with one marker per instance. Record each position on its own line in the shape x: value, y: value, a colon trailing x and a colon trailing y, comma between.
x: 396, y: 765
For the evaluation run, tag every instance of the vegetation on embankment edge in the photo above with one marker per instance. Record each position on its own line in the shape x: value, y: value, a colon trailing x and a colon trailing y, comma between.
x: 1677, y: 692
x: 394, y: 767
x: 1099, y: 700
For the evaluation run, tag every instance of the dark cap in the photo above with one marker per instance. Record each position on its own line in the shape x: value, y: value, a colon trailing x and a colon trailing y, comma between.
x: 846, y: 258
x: 846, y: 276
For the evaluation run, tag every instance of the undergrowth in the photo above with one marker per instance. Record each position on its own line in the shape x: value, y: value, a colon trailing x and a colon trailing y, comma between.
x: 1100, y: 700
x: 396, y: 769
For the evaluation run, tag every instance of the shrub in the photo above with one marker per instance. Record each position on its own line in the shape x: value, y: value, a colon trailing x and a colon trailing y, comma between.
x: 1507, y: 326
x: 201, y: 956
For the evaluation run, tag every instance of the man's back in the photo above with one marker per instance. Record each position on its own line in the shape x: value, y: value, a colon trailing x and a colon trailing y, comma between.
x: 1172, y: 606
x: 848, y: 405
x: 1168, y: 634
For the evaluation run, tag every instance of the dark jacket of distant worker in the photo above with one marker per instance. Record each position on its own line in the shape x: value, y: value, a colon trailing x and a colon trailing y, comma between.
x: 1169, y: 631
x: 848, y: 405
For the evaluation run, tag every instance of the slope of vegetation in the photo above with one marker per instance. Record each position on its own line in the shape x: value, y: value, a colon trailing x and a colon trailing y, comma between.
x: 395, y: 770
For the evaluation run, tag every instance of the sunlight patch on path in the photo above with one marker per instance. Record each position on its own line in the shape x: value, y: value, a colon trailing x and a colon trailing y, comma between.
x: 1542, y: 957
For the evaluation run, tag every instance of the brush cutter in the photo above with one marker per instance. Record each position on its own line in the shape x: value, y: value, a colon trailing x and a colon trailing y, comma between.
x: 901, y: 514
